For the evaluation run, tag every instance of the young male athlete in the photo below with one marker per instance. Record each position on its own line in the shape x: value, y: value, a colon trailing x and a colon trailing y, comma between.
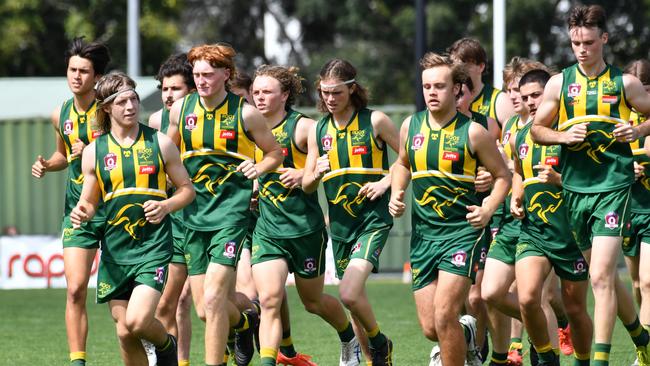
x: 218, y: 133
x: 593, y: 101
x: 348, y: 152
x: 439, y: 150
x: 127, y: 168
x: 74, y: 123
x: 176, y: 81
x: 290, y: 233
x: 545, y: 241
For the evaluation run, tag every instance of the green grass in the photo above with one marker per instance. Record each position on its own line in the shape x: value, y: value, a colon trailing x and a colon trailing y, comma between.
x: 32, y: 330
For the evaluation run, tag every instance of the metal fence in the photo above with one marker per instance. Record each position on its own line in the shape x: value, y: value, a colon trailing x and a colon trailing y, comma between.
x: 35, y: 206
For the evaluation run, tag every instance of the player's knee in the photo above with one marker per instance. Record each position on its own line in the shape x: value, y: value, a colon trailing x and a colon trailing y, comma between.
x: 644, y: 283
x: 601, y: 280
x: 270, y: 301
x: 76, y: 293
x: 214, y: 300
x: 136, y: 325
x: 529, y: 301
x: 348, y: 298
x: 444, y: 318
x: 429, y: 332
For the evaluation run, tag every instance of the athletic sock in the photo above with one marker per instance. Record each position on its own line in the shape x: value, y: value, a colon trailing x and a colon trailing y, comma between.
x: 545, y: 353
x: 601, y: 354
x: 376, y: 338
x: 242, y: 324
x: 516, y: 343
x: 638, y: 333
x: 562, y: 322
x: 286, y: 345
x: 580, y: 359
x: 346, y: 334
x: 498, y: 358
x: 183, y: 362
x: 268, y: 356
x: 78, y: 358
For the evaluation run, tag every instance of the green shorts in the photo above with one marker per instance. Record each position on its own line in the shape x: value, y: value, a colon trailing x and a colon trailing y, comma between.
x: 221, y: 246
x: 485, y: 246
x: 117, y: 281
x: 566, y: 258
x: 367, y: 246
x: 597, y: 214
x: 87, y: 236
x: 305, y: 255
x: 459, y: 255
x: 639, y: 233
x: 503, y: 247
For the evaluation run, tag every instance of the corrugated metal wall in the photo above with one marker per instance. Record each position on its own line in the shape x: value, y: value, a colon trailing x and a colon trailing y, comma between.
x: 35, y: 206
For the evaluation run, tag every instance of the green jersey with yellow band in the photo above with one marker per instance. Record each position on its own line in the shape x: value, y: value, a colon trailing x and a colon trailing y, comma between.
x: 546, y: 215
x: 213, y: 144
x: 485, y: 102
x: 164, y: 121
x: 177, y: 216
x: 599, y: 163
x: 128, y: 177
x: 503, y: 217
x: 443, y: 170
x: 356, y: 158
x: 287, y: 212
x: 641, y: 188
x: 75, y: 126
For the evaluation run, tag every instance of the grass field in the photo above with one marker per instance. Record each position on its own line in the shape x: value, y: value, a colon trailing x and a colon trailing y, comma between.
x: 32, y: 330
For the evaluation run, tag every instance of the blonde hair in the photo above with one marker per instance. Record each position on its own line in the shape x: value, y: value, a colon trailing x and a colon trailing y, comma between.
x: 288, y: 78
x: 107, y: 86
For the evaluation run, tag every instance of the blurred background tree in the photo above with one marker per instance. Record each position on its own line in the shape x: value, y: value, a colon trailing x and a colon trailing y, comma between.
x: 377, y: 36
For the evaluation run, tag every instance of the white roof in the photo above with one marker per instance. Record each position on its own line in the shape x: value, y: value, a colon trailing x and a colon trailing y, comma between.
x: 29, y: 97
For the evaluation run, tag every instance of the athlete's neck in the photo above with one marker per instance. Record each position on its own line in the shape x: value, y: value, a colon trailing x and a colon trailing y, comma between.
x: 593, y: 70
x: 82, y: 102
x: 478, y: 86
x: 524, y: 117
x: 124, y: 134
x: 343, y: 117
x: 212, y: 101
x: 441, y: 118
x: 274, y: 118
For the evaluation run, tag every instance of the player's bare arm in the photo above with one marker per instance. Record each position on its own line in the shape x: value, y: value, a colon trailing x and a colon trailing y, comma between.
x: 639, y: 99
x: 517, y: 195
x: 400, y: 173
x: 504, y: 108
x: 173, y: 132
x: 155, y: 120
x: 58, y: 160
x: 386, y: 132
x: 155, y: 211
x: 255, y: 124
x: 542, y: 130
x: 89, y: 199
x: 487, y: 152
x: 315, y: 166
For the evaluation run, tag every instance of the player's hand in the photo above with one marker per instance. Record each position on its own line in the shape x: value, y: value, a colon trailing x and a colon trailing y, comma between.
x: 575, y: 134
x: 516, y: 208
x: 374, y: 190
x: 77, y: 148
x: 290, y: 177
x: 639, y: 170
x: 39, y: 168
x: 247, y: 167
x: 396, y: 205
x: 80, y: 214
x: 625, y: 132
x: 155, y: 211
x: 483, y: 181
x: 478, y: 216
x: 547, y: 174
x: 322, y: 166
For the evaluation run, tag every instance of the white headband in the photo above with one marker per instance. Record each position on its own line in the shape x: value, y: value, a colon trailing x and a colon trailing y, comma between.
x: 339, y: 84
x: 114, y: 95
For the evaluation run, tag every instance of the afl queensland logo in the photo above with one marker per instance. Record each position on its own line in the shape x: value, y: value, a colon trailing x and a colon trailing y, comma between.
x: 190, y: 122
x: 326, y: 141
x: 417, y: 142
x: 110, y: 161
x: 459, y: 259
x: 573, y: 90
x: 68, y: 127
x: 506, y: 137
x: 611, y: 220
x: 523, y: 151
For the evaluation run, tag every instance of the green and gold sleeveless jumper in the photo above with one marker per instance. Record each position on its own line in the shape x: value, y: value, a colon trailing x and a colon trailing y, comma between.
x: 502, y: 219
x: 599, y: 163
x: 443, y: 170
x: 485, y: 103
x: 213, y: 144
x: 287, y: 212
x: 128, y: 177
x: 641, y: 188
x: 355, y: 159
x: 546, y: 212
x: 72, y: 126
